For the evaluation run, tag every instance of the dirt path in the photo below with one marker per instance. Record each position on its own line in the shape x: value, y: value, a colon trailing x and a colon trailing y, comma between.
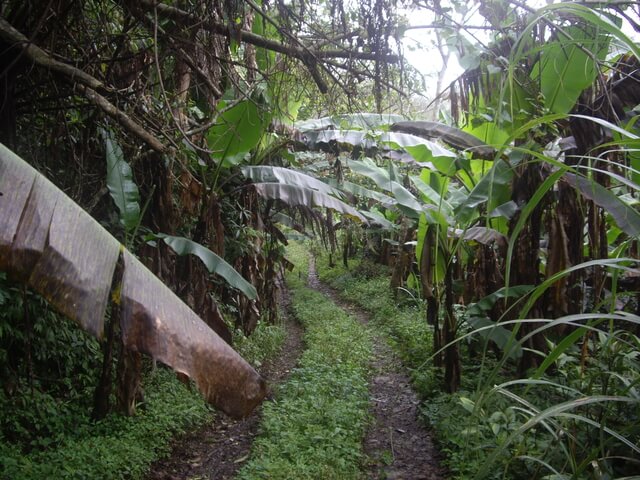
x: 218, y: 450
x: 397, y: 442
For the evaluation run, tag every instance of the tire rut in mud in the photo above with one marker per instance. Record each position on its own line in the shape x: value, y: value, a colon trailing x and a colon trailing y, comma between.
x: 397, y: 441
x: 219, y: 449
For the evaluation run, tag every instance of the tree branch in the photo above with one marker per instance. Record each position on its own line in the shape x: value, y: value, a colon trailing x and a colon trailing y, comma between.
x: 84, y: 83
x: 260, y: 41
x: 122, y: 118
x: 43, y: 59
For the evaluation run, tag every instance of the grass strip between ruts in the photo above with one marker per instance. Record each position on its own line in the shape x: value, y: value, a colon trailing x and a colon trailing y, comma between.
x: 314, y: 428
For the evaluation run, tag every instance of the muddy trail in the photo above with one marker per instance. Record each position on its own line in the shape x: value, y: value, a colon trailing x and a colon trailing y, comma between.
x: 397, y: 442
x: 219, y: 449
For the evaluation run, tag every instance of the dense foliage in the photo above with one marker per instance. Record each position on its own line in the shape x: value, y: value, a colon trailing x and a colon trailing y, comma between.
x: 196, y: 131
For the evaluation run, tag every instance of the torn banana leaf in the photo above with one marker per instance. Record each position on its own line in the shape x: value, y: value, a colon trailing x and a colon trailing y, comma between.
x: 51, y: 244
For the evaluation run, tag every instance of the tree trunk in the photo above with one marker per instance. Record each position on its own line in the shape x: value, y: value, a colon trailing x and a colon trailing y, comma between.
x: 526, y: 260
x: 129, y: 391
x: 102, y: 393
x: 451, y: 353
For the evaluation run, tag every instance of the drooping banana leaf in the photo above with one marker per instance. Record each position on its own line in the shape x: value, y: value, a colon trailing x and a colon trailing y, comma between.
x: 155, y: 321
x: 356, y: 189
x: 493, y: 187
x: 270, y: 174
x: 294, y: 195
x: 425, y: 152
x: 627, y: 218
x: 51, y: 244
x: 364, y: 121
x: 378, y: 219
x: 214, y: 263
x: 288, y: 221
x: 452, y: 136
x: 404, y: 198
x: 318, y: 139
x: 485, y: 236
x: 369, y: 169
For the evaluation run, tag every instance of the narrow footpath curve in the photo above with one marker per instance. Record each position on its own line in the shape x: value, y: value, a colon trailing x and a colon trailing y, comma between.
x: 219, y: 449
x: 397, y: 442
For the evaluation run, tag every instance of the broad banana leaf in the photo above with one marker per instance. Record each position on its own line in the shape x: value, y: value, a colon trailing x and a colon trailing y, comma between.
x: 365, y: 121
x: 294, y: 196
x: 270, y: 174
x: 404, y: 198
x: 378, y: 219
x: 452, y: 136
x: 355, y: 189
x: 397, y: 146
x: 237, y: 131
x: 214, y: 263
x: 569, y: 64
x: 431, y: 196
x: 349, y: 138
x: 51, y: 244
x: 120, y: 183
x: 627, y: 218
x: 483, y: 235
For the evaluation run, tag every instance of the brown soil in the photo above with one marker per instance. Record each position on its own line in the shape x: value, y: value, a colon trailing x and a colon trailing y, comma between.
x: 218, y: 450
x: 397, y: 442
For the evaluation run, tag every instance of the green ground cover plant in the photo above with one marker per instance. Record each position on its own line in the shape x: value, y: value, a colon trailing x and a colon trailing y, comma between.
x: 116, y: 447
x: 496, y: 425
x: 46, y: 426
x: 314, y: 427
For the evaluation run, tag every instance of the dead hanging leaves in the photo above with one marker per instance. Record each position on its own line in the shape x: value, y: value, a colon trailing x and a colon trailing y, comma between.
x: 55, y: 247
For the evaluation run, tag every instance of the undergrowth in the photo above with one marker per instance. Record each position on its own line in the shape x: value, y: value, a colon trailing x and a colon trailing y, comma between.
x: 116, y: 447
x: 48, y: 370
x: 497, y: 426
x: 315, y: 427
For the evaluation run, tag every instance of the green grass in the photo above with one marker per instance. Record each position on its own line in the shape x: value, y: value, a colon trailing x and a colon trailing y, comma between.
x: 314, y: 428
x: 367, y: 285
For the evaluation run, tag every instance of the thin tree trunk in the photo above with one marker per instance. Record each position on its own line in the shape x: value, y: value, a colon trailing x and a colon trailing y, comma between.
x: 129, y: 391
x: 102, y: 393
x: 451, y: 353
